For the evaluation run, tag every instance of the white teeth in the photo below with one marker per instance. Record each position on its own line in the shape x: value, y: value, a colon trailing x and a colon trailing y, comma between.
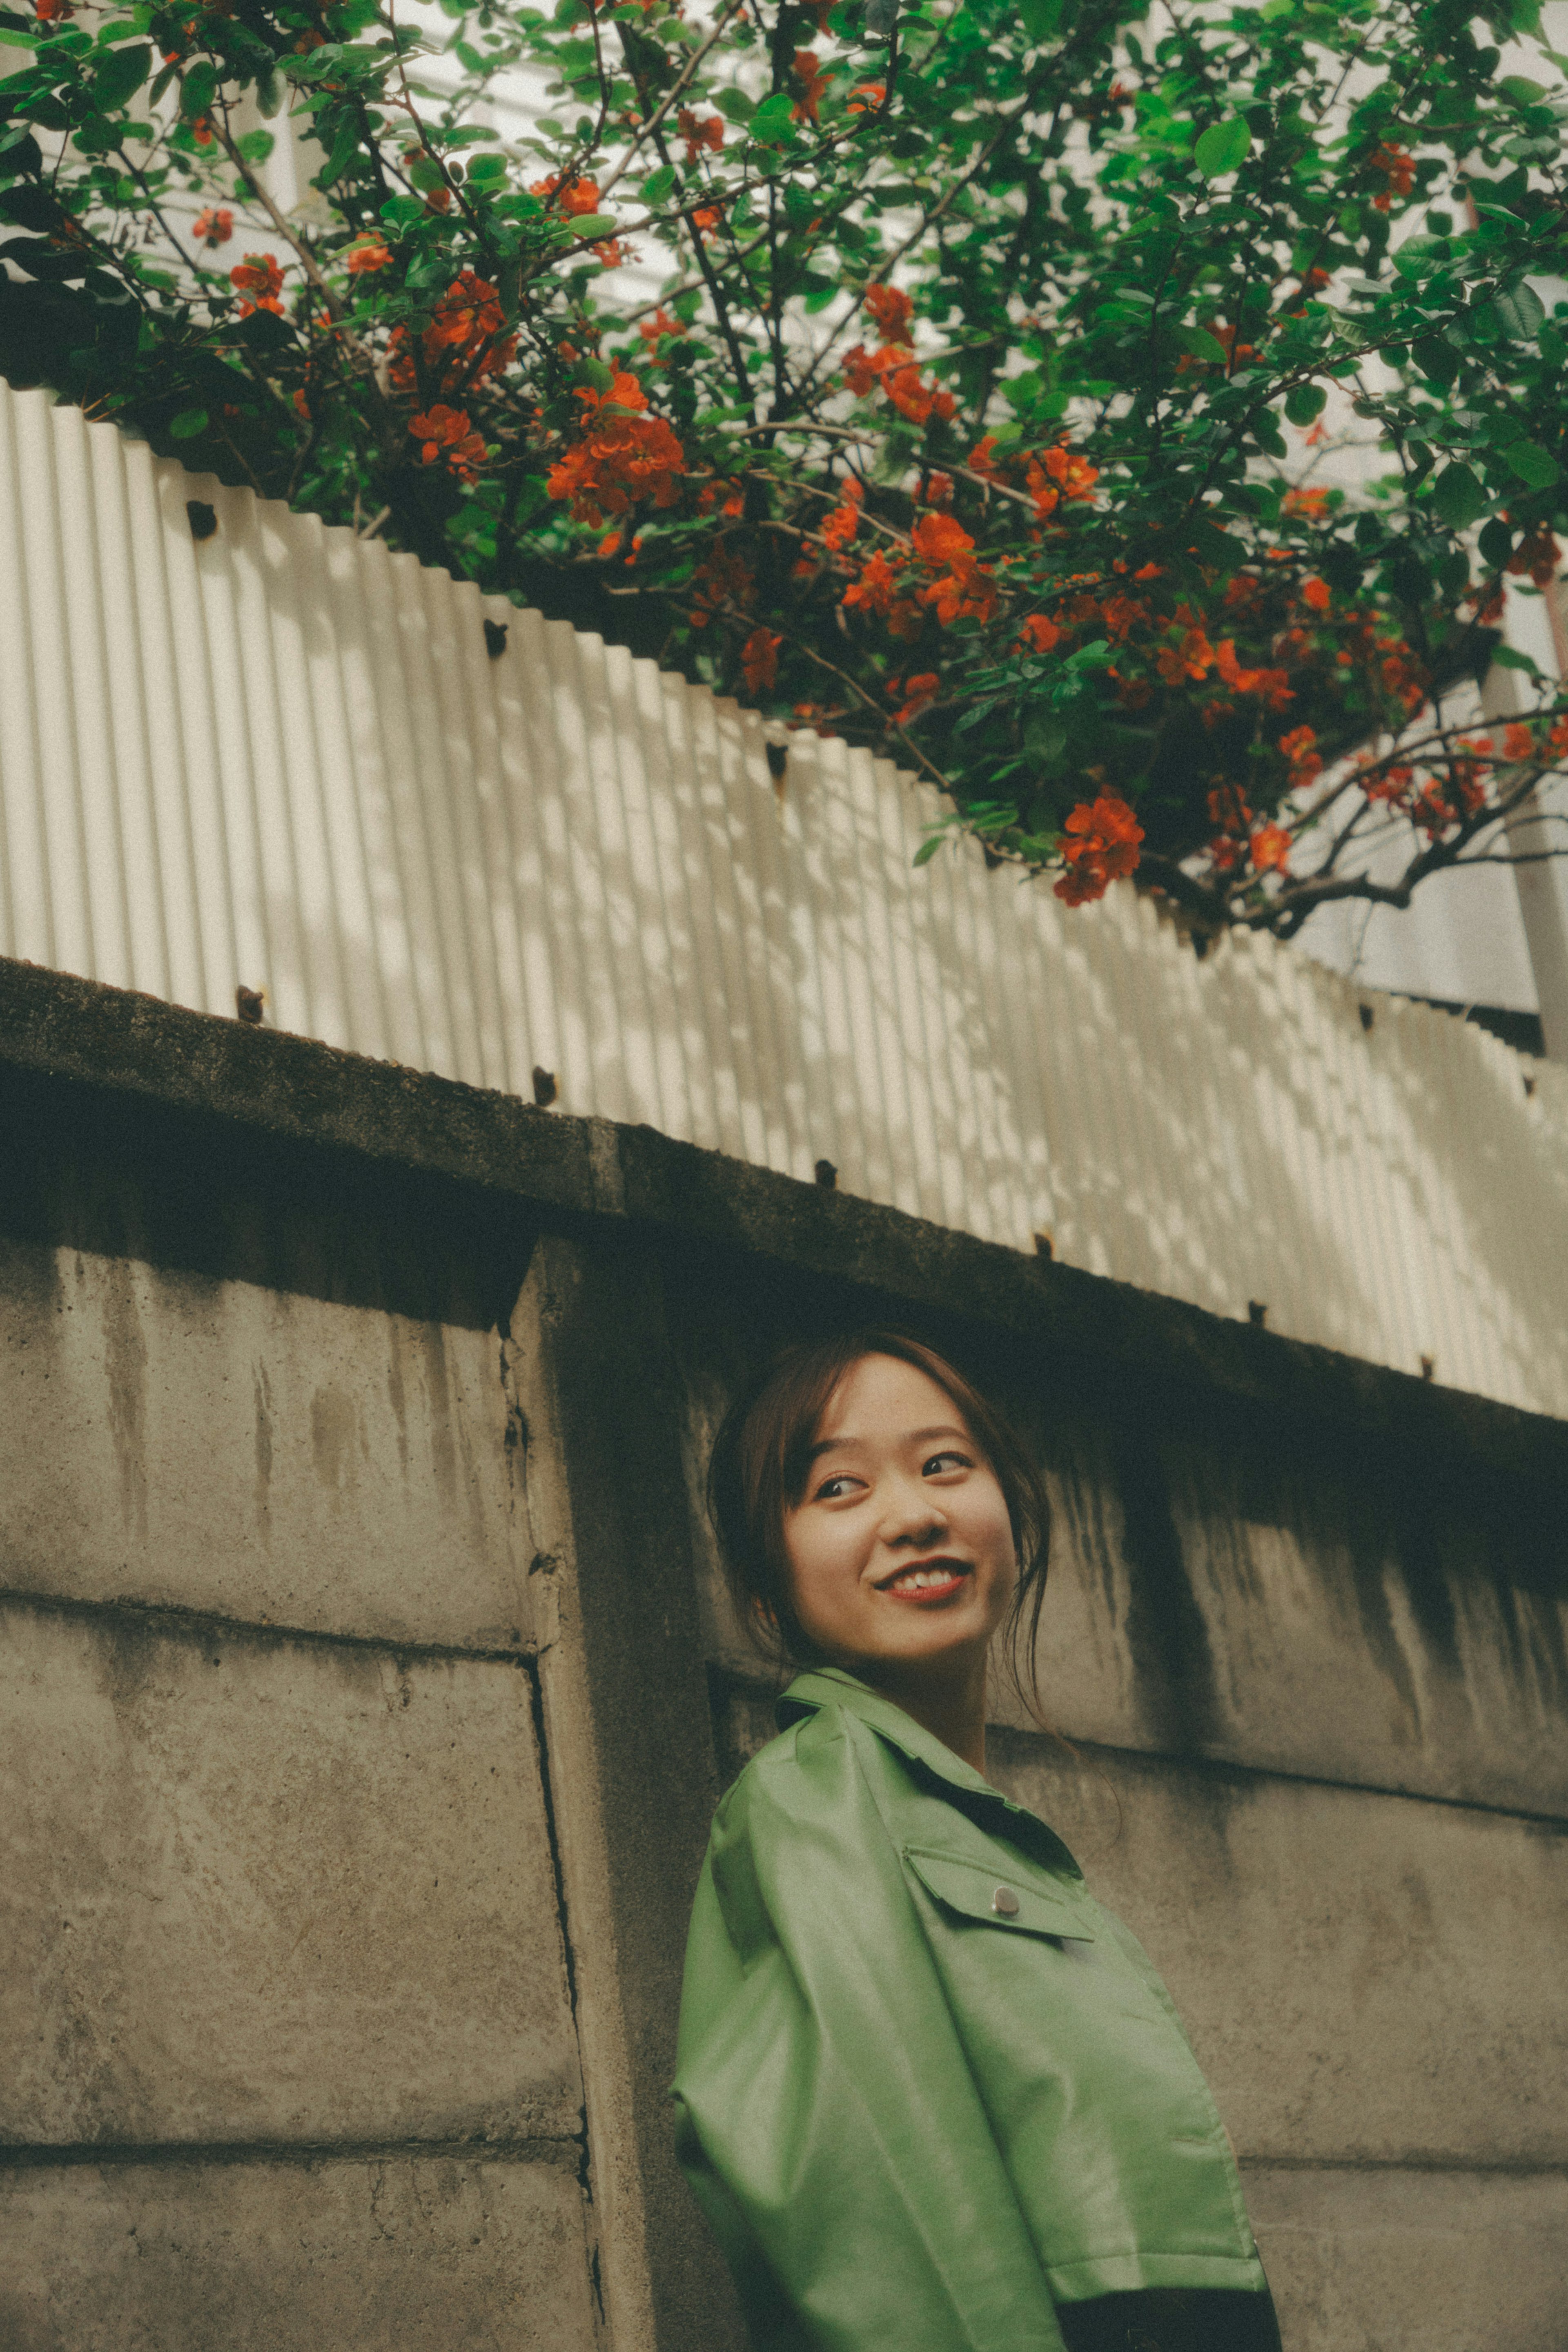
x: 921, y: 1579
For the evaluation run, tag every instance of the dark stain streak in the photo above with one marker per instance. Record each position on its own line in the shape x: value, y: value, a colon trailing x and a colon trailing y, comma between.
x: 1164, y: 1627
x: 125, y: 1362
x: 262, y: 1391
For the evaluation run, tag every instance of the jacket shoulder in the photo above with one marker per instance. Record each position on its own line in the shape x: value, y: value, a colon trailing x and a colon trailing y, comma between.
x: 804, y: 1778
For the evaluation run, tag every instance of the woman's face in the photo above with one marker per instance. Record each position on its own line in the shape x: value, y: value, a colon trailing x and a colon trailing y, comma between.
x: 900, y: 1548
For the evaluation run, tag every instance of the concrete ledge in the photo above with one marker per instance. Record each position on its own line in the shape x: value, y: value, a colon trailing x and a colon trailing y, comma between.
x: 397, y: 2254
x: 259, y: 1890
x: 136, y: 1051
x: 1366, y: 2259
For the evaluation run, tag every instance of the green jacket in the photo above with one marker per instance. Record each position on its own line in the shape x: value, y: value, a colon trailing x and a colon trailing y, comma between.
x: 926, y: 2088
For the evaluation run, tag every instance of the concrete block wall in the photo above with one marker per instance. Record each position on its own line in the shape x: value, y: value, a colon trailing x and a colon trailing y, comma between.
x: 365, y: 1687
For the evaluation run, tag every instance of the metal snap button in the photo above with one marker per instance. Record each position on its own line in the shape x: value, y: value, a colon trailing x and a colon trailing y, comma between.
x: 1005, y: 1902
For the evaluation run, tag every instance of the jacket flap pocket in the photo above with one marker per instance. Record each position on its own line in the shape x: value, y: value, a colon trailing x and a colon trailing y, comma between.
x: 982, y: 1892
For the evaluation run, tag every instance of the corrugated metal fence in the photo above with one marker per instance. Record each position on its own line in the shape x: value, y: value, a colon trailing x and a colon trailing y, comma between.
x: 282, y: 756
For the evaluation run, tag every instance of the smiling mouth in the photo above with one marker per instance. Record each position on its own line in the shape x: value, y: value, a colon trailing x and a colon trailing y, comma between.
x: 927, y: 1580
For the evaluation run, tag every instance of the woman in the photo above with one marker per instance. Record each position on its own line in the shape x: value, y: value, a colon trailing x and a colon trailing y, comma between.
x: 932, y: 2097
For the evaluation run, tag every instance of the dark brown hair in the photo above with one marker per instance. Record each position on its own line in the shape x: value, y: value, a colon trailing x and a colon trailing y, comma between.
x: 761, y: 1459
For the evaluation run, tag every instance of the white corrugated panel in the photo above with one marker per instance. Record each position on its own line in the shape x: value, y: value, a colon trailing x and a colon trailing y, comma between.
x: 283, y: 757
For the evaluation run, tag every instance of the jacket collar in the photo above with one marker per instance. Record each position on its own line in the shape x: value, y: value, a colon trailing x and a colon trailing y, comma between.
x: 832, y: 1686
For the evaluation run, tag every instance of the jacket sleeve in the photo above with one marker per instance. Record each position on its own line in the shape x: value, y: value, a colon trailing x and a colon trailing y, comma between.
x: 828, y: 2120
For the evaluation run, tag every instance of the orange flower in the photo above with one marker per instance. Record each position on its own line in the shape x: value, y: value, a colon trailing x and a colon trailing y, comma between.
x: 1149, y: 571
x: 1271, y: 685
x: 1076, y: 476
x: 1188, y: 654
x: 202, y: 131
x: 938, y: 489
x: 622, y: 457
x: 1518, y: 743
x: 260, y: 279
x: 725, y: 579
x: 891, y: 312
x: 760, y: 660
x: 1398, y: 166
x: 1299, y: 748
x: 875, y: 590
x: 1121, y: 613
x: 653, y: 330
x: 728, y: 497
x: 863, y: 369
x: 367, y: 253
x: 1311, y: 503
x: 447, y: 434
x: 919, y: 402
x: 981, y: 460
x: 867, y: 95
x: 467, y: 314
x: 698, y: 133
x: 705, y: 218
x: 1537, y: 554
x: 1315, y: 593
x: 52, y: 12
x: 1229, y: 810
x: 840, y: 526
x: 966, y: 587
x: 813, y: 83
x: 920, y: 692
x: 577, y: 197
x: 213, y: 227
x: 1271, y: 847
x: 1102, y: 848
x: 1039, y: 633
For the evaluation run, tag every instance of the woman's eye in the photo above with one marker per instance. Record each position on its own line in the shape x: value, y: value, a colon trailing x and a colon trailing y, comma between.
x: 831, y: 1490
x: 940, y: 1461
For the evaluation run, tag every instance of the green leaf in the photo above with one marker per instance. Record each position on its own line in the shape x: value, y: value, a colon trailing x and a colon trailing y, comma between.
x: 344, y: 148
x: 270, y: 92
x: 819, y: 300
x: 1518, y: 312
x: 1199, y: 344
x: 188, y: 424
x: 1522, y: 92
x: 120, y: 75
x: 928, y: 848
x: 487, y: 167
x: 734, y: 105
x: 774, y: 117
x: 593, y: 225
x: 1222, y: 147
x: 1459, y: 497
x: 1303, y: 402
x: 198, y: 90
x: 1042, y: 20
x: 1533, y: 465
x: 657, y: 185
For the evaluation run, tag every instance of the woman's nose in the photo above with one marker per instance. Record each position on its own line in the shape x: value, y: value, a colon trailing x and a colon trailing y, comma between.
x: 913, y: 1514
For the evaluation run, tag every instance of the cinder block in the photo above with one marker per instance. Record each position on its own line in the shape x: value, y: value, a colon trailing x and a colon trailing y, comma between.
x: 264, y: 1453
x: 255, y: 1890
x: 431, y: 2254
x: 1367, y: 2260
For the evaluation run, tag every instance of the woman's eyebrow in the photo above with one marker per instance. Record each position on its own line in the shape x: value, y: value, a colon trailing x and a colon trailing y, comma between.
x: 910, y: 1437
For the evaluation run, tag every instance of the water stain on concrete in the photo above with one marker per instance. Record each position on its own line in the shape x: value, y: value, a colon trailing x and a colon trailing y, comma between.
x: 332, y: 1430
x: 261, y: 1392
x: 125, y: 1364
